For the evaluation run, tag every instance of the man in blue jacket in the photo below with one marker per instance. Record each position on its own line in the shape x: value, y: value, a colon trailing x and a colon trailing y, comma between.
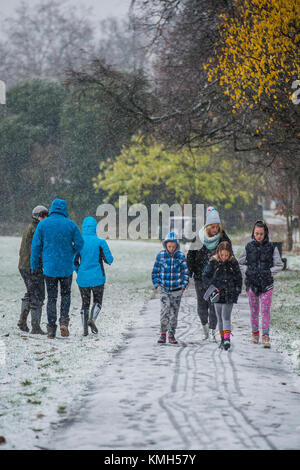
x: 58, y: 239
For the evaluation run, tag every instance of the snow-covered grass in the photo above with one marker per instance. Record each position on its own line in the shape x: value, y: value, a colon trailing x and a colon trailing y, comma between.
x: 285, y: 318
x: 39, y: 377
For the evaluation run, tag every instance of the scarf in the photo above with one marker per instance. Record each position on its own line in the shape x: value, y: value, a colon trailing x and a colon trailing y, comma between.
x: 211, y: 243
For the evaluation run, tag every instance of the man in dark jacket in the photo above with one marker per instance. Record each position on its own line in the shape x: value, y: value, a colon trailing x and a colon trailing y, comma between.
x: 58, y: 239
x: 211, y: 235
x: 35, y: 286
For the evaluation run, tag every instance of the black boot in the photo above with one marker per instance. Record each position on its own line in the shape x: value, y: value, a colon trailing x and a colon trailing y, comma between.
x: 84, y: 319
x: 36, y: 314
x: 25, y: 309
x: 93, y: 315
x: 51, y: 330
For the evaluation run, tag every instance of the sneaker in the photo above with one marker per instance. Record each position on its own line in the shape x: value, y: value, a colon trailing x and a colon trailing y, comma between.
x: 226, y: 343
x: 255, y: 338
x: 162, y: 338
x: 265, y: 339
x: 172, y: 339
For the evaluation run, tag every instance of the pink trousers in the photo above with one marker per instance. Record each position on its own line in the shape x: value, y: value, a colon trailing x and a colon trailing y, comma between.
x: 264, y: 302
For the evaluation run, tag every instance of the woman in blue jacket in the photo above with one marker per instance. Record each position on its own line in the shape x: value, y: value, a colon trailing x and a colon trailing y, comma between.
x: 90, y: 272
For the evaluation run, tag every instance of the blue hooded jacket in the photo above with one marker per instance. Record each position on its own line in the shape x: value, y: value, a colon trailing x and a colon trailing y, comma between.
x: 95, y: 250
x: 58, y: 238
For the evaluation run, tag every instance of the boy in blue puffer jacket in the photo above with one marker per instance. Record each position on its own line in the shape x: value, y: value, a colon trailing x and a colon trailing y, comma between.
x: 90, y: 272
x: 170, y: 276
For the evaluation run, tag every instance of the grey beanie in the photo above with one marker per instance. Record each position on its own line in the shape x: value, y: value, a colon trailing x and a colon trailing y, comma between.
x: 212, y: 216
x: 38, y: 210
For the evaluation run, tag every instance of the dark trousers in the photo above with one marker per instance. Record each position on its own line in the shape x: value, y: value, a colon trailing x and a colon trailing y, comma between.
x: 206, y: 310
x: 52, y: 291
x: 86, y: 293
x: 35, y: 288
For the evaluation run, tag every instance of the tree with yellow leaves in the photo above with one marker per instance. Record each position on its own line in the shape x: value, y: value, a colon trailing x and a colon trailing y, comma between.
x: 258, y: 58
x: 147, y: 172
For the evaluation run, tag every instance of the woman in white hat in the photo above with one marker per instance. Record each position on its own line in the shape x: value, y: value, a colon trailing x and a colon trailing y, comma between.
x: 211, y: 235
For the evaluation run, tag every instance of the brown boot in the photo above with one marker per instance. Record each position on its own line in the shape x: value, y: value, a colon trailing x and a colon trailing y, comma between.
x: 255, y: 338
x: 265, y: 340
x: 64, y: 323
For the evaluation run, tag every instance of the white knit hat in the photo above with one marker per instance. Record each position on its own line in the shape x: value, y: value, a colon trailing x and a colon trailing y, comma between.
x: 212, y: 216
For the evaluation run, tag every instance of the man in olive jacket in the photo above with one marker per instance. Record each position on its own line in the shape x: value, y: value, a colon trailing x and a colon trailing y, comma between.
x: 34, y: 281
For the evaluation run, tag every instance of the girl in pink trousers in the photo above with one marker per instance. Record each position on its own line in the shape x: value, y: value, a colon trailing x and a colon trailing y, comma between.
x: 260, y: 261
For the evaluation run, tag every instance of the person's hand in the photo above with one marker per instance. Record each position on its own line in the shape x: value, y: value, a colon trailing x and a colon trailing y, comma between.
x: 34, y: 272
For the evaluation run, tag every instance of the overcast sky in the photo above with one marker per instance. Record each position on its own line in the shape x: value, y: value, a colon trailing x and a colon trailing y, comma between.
x: 101, y: 8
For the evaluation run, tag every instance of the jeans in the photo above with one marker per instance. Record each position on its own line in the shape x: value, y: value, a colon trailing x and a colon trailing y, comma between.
x: 206, y: 310
x: 35, y: 288
x: 65, y: 291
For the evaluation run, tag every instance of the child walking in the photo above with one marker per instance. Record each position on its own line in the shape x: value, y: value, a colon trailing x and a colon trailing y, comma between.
x: 90, y: 273
x: 170, y: 276
x: 224, y: 274
x: 260, y: 261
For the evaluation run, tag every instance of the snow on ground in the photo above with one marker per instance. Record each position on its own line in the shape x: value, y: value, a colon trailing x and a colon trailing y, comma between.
x: 187, y: 396
x: 41, y: 380
x: 39, y: 377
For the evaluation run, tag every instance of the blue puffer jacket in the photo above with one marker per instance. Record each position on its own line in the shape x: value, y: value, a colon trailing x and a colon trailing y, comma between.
x: 170, y: 272
x: 95, y: 250
x: 58, y: 238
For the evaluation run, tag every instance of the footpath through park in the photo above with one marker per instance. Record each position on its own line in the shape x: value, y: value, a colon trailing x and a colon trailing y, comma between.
x: 187, y: 396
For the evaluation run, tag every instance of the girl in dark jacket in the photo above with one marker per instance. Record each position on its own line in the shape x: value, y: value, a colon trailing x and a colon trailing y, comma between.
x: 224, y: 274
x: 260, y: 261
x: 211, y: 235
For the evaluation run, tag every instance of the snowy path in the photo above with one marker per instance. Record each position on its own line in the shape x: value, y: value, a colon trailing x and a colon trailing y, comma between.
x: 190, y: 396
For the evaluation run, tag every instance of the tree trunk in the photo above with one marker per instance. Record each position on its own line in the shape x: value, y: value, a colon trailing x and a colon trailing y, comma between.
x: 289, y: 224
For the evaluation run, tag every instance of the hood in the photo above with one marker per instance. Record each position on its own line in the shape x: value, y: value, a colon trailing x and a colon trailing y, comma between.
x: 89, y: 226
x: 171, y: 238
x: 59, y: 206
x: 266, y: 239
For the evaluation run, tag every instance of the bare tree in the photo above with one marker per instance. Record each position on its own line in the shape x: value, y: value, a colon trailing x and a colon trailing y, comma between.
x: 122, y: 45
x: 42, y: 40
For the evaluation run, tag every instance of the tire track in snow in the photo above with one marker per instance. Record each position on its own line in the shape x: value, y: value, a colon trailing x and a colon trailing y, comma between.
x: 171, y: 402
x: 245, y: 426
